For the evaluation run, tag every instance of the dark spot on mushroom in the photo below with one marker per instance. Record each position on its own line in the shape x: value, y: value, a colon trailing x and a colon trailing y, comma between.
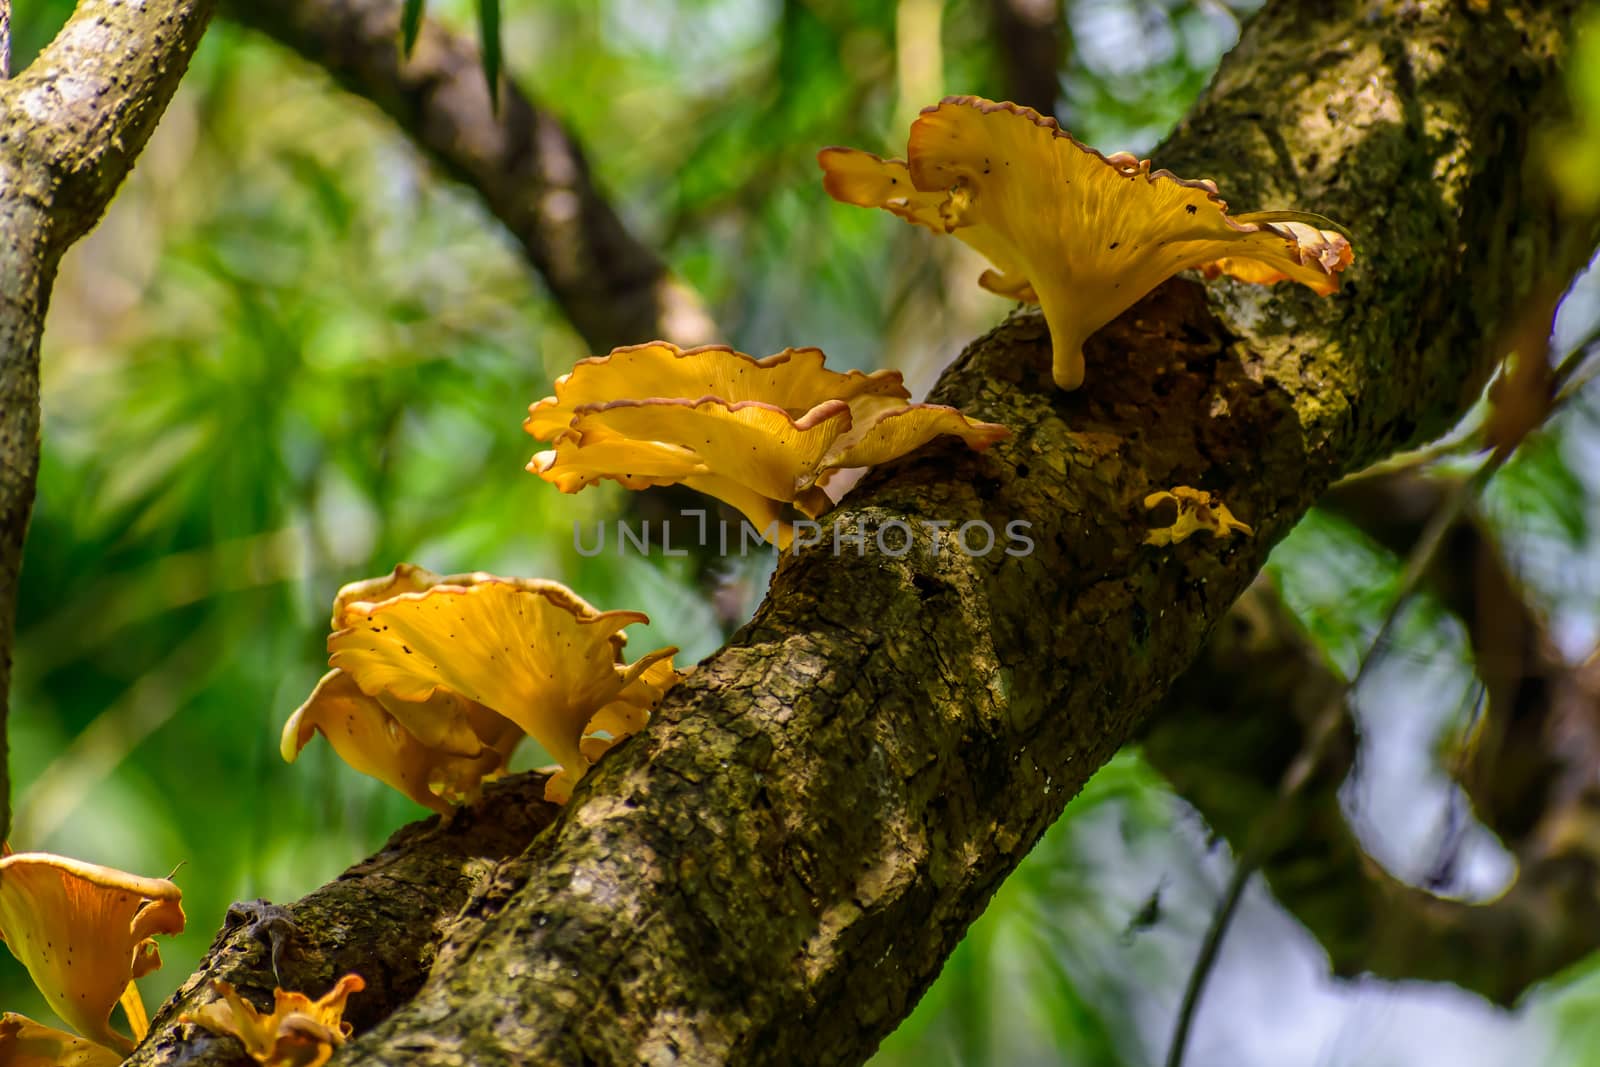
x: 1114, y: 244
x: 1190, y: 208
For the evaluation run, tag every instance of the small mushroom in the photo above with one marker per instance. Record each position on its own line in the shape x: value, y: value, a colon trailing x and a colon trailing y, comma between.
x: 761, y: 435
x: 25, y: 1043
x: 298, y: 1032
x: 1197, y: 512
x: 1082, y: 234
x: 531, y: 653
x: 85, y: 932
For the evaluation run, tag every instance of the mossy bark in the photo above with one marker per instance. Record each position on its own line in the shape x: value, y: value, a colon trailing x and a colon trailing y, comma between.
x: 776, y: 869
x: 71, y: 125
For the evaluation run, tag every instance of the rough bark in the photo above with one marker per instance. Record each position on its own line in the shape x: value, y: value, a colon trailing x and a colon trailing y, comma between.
x: 417, y: 885
x: 70, y: 128
x: 776, y: 869
x: 521, y: 159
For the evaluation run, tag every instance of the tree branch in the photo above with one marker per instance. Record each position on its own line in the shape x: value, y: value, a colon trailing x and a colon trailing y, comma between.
x: 1533, y: 756
x: 527, y: 168
x: 70, y: 128
x: 1224, y: 737
x: 423, y: 876
x: 776, y: 869
x: 521, y: 160
x: 1031, y: 36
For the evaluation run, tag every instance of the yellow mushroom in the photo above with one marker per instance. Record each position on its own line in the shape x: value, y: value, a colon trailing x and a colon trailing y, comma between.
x: 85, y: 932
x: 506, y: 657
x: 525, y: 652
x: 298, y: 1032
x: 761, y: 435
x: 795, y: 380
x: 371, y: 739
x: 25, y: 1043
x: 1082, y: 234
x: 1197, y: 512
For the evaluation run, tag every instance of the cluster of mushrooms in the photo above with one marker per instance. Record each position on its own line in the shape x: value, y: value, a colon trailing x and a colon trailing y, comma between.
x: 435, y: 680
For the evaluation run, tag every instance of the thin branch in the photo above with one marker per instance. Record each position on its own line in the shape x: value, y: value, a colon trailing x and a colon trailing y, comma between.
x: 1319, y: 741
x: 5, y: 39
x: 1325, y: 728
x: 1232, y: 725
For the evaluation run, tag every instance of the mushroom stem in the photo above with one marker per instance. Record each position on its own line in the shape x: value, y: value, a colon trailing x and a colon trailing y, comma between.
x: 1066, y: 341
x: 1067, y: 366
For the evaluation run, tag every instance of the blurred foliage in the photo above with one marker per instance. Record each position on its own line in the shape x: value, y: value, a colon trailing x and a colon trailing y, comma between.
x: 489, y: 43
x: 1573, y: 151
x: 292, y: 355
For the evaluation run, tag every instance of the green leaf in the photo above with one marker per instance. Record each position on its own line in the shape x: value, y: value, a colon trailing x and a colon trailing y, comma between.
x: 410, y: 25
x: 489, y: 34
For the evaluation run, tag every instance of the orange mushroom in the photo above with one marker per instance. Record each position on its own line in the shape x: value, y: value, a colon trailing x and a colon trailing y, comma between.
x: 1082, y: 234
x: 436, y: 679
x: 367, y: 736
x: 759, y: 434
x: 85, y: 932
x: 298, y: 1032
x: 25, y: 1043
x: 795, y: 380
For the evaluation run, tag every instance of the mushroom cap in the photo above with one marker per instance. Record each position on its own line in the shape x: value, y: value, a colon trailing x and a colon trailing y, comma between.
x: 84, y: 932
x: 794, y: 380
x: 25, y: 1043
x: 1084, y: 234
x: 371, y: 738
x: 758, y: 434
x: 534, y: 653
x: 755, y: 444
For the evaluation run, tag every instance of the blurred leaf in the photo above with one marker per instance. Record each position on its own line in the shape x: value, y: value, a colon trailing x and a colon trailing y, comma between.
x: 489, y: 38
x: 1572, y: 149
x: 410, y: 24
x: 1538, y: 491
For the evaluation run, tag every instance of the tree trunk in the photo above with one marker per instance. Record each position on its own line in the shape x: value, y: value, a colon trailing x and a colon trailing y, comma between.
x: 70, y: 128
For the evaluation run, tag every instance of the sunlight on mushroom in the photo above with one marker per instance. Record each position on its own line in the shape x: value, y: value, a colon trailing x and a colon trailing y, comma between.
x: 85, y: 932
x: 298, y: 1032
x: 761, y: 435
x: 436, y: 679
x: 1082, y: 234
